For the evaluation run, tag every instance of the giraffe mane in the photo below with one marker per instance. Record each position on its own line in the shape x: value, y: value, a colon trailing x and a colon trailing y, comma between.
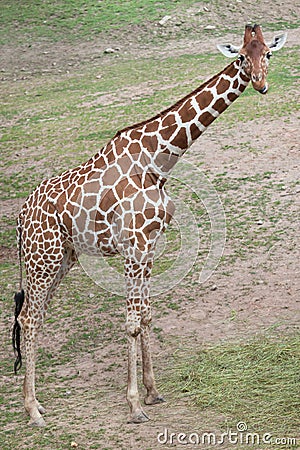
x: 175, y: 105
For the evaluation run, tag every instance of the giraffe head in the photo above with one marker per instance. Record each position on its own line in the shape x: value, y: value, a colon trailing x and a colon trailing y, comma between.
x: 254, y: 55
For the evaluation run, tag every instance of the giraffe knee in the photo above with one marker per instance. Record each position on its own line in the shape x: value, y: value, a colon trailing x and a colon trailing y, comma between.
x: 133, y: 325
x: 146, y: 317
x: 29, y: 322
x: 146, y: 320
x: 133, y: 329
x: 24, y: 320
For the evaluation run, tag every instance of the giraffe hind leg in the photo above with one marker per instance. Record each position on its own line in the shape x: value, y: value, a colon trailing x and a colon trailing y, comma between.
x: 69, y: 259
x: 40, y: 290
x: 30, y: 327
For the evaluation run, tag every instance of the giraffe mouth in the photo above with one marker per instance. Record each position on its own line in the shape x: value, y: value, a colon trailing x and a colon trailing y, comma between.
x: 264, y: 90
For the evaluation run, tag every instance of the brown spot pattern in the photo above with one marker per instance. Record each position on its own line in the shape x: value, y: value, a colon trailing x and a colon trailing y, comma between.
x: 222, y: 86
x: 167, y: 132
x: 195, y: 132
x: 150, y: 143
x: 204, y: 99
x: 220, y: 105
x: 231, y: 96
x: 181, y: 139
x: 187, y: 112
x: 206, y: 118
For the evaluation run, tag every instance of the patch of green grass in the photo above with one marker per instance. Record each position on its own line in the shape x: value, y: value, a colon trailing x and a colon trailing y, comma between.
x: 256, y: 382
x: 76, y: 19
x: 36, y: 438
x: 18, y: 185
x: 7, y: 231
x: 282, y: 24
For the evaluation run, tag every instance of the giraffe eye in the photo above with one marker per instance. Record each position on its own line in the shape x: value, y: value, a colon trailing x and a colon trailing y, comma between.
x: 268, y: 55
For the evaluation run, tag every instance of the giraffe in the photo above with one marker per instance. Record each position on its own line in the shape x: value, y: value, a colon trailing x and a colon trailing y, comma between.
x: 116, y: 202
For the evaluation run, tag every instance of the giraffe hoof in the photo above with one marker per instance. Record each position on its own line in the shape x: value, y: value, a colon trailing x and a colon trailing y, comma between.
x: 139, y: 417
x: 39, y: 422
x: 151, y: 400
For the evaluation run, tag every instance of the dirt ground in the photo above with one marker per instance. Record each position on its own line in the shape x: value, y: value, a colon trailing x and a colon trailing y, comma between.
x: 260, y: 291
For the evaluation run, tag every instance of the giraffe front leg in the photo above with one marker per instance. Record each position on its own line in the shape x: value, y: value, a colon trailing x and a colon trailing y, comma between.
x: 153, y: 397
x: 137, y: 415
x: 137, y: 275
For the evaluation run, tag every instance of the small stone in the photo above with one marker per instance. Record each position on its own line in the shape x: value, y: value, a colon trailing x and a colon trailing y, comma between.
x: 214, y: 287
x: 109, y: 50
x: 74, y: 444
x: 210, y: 27
x: 260, y: 222
x: 164, y: 20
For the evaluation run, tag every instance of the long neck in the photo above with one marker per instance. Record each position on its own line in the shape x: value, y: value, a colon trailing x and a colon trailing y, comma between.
x: 172, y: 132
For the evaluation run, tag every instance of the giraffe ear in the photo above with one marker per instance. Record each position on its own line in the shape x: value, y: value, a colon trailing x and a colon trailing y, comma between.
x: 228, y: 50
x: 278, y: 42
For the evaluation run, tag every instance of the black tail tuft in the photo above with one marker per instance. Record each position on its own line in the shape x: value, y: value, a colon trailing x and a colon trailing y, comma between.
x: 16, y: 334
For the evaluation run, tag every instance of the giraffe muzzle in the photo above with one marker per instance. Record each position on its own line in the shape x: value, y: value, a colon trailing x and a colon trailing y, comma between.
x: 264, y: 90
x: 260, y: 86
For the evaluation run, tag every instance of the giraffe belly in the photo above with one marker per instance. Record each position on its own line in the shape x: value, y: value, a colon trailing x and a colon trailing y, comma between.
x: 87, y: 227
x: 106, y: 224
x: 91, y: 237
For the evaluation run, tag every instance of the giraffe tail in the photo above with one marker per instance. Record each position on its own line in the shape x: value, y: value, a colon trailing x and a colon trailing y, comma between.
x: 16, y: 333
x: 19, y: 300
